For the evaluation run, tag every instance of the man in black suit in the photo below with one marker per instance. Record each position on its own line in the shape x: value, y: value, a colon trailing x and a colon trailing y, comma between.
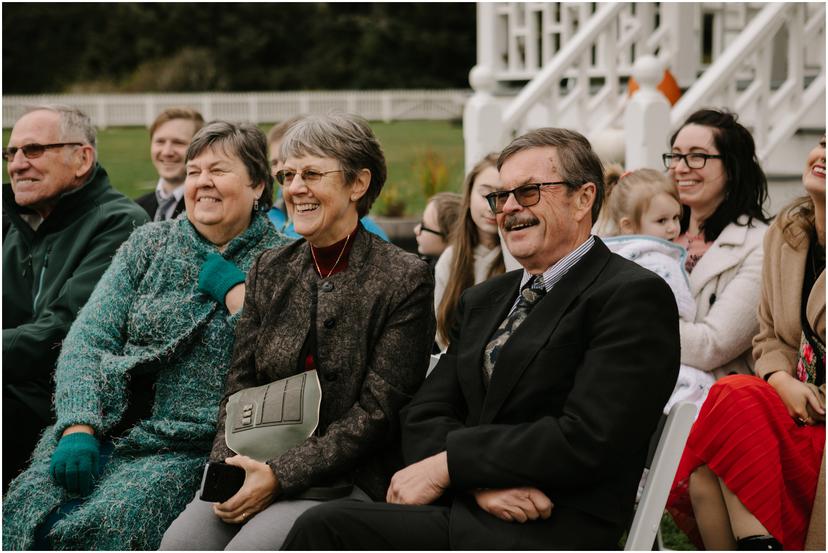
x: 170, y: 135
x: 532, y: 430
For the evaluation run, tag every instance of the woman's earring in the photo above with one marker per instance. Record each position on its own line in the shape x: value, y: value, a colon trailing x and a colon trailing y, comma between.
x: 256, y: 204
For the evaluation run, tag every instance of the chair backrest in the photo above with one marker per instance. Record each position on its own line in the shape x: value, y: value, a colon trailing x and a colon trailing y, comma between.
x: 432, y: 363
x: 663, y: 468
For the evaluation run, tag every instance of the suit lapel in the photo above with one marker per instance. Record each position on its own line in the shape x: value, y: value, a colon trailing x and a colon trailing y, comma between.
x: 480, y: 324
x: 530, y: 337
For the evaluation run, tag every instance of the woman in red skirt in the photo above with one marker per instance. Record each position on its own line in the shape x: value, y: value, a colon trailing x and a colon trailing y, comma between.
x: 749, y: 472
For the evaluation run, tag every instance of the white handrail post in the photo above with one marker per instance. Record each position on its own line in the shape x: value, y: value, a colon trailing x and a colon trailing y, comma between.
x: 482, y: 118
x: 647, y: 117
x: 685, y: 46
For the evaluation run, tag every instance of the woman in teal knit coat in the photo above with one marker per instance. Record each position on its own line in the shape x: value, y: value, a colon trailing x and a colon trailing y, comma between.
x: 142, y: 369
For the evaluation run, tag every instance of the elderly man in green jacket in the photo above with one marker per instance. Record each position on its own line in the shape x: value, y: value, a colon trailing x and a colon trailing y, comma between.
x: 62, y: 222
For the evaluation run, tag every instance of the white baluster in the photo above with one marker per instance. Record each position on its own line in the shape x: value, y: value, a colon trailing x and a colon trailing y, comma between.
x: 482, y: 117
x: 647, y: 117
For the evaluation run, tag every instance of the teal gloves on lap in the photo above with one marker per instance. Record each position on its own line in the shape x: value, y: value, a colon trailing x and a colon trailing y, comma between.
x: 75, y: 462
x: 217, y: 276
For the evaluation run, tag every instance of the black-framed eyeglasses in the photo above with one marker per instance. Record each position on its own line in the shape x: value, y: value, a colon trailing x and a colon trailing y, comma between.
x: 309, y: 176
x: 32, y: 151
x: 422, y: 228
x: 693, y: 160
x: 526, y: 195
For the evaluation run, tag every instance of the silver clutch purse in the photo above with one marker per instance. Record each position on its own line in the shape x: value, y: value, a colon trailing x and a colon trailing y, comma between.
x: 265, y: 421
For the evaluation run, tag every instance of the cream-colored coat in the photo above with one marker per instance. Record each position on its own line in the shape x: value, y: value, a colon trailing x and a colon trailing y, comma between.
x: 726, y: 283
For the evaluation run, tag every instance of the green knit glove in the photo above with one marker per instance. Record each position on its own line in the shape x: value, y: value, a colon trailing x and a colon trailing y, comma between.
x: 217, y: 276
x: 75, y: 462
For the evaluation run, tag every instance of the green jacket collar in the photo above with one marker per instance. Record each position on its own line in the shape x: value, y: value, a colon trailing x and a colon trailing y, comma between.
x: 71, y: 205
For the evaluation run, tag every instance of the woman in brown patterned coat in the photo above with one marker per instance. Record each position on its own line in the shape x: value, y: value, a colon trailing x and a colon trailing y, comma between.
x: 341, y: 301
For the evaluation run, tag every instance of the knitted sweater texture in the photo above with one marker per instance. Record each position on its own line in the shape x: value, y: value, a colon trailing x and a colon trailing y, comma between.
x: 145, y: 315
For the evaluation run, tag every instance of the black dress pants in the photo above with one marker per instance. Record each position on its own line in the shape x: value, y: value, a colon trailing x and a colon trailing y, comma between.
x: 352, y: 525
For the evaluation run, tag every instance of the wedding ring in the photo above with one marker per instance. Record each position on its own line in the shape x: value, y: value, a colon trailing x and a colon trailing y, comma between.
x: 244, y: 515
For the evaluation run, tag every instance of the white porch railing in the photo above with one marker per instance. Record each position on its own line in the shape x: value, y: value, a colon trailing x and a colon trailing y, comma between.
x: 765, y: 62
x: 256, y: 107
x: 774, y: 111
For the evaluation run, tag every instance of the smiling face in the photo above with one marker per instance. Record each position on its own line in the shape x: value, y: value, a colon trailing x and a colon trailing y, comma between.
x: 218, y: 195
x: 702, y: 190
x: 39, y: 182
x: 324, y: 212
x: 485, y: 182
x: 662, y: 218
x: 540, y: 235
x: 168, y: 149
x: 813, y: 177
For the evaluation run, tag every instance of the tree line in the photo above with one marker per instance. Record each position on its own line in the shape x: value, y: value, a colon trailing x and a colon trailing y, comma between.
x: 181, y: 47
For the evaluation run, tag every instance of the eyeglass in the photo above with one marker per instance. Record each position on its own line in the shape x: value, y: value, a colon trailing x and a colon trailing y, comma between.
x: 422, y: 228
x: 694, y: 160
x: 32, y: 151
x: 309, y: 176
x: 526, y: 195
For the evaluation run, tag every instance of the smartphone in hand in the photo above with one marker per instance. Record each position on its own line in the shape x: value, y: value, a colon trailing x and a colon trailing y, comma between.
x: 221, y: 481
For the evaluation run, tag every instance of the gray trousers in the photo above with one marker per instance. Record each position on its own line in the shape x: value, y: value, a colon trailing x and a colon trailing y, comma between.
x: 197, y: 528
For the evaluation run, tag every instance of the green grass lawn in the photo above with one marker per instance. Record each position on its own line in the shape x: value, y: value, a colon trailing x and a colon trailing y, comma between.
x: 408, y: 147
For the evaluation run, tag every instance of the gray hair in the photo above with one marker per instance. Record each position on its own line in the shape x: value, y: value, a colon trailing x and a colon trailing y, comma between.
x: 75, y: 125
x: 346, y: 138
x: 579, y: 162
x: 243, y: 140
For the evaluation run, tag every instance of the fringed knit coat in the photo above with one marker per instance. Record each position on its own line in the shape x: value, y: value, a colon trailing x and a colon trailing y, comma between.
x: 145, y: 316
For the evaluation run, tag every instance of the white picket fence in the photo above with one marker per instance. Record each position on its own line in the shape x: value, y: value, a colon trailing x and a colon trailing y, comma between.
x: 115, y: 110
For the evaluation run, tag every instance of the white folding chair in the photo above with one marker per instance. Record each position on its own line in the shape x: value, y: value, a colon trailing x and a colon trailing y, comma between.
x: 432, y: 363
x: 645, y: 525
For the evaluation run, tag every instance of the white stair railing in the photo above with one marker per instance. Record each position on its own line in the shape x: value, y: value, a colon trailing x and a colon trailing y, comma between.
x: 576, y: 58
x: 774, y: 111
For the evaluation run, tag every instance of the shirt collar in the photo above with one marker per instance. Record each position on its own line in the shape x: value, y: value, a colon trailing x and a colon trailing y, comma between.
x: 555, y: 273
x: 161, y: 193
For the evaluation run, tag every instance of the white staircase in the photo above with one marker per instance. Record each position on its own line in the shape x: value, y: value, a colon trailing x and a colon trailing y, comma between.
x: 567, y: 65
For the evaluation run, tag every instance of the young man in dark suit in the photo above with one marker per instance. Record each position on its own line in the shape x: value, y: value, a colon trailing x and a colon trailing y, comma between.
x: 170, y: 134
x: 532, y: 430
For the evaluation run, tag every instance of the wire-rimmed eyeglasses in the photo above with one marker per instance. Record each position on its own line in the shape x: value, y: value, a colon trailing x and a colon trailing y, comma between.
x: 309, y: 176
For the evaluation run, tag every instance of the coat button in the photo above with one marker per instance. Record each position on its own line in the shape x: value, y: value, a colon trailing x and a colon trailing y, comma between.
x: 330, y: 377
x: 327, y: 286
x: 329, y: 323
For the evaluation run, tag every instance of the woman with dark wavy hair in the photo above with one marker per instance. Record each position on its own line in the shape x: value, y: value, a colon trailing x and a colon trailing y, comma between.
x: 749, y: 472
x: 722, y: 187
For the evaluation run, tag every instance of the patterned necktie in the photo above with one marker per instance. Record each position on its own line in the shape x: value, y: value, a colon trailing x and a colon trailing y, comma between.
x: 164, y: 207
x: 531, y: 293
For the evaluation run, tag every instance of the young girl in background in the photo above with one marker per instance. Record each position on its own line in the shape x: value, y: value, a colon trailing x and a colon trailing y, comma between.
x: 439, y: 216
x: 473, y: 254
x: 643, y: 207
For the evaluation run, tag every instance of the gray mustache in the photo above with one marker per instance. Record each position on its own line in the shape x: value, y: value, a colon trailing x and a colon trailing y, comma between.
x: 511, y: 221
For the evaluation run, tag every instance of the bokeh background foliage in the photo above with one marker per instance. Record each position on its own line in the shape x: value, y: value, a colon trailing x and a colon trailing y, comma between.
x: 183, y: 47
